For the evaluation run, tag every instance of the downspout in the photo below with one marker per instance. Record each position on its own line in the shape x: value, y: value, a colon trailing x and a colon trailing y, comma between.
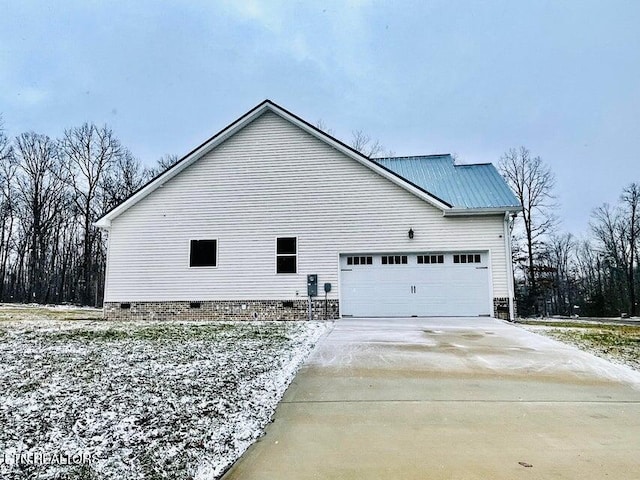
x: 509, y: 259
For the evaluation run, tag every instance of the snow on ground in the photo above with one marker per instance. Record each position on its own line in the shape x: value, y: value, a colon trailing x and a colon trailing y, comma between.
x: 142, y: 399
x: 614, y: 342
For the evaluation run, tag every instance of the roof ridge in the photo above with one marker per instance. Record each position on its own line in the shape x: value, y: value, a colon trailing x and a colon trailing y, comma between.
x: 413, y: 156
x: 409, y: 157
x: 472, y: 164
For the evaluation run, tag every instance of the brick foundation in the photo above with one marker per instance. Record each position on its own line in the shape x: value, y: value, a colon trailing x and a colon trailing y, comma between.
x: 222, y: 310
x: 501, y: 308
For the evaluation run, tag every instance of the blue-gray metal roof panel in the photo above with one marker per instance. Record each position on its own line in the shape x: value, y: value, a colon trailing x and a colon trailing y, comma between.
x: 462, y: 186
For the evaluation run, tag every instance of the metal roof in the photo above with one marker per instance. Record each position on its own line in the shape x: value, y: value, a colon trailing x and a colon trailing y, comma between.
x: 462, y: 186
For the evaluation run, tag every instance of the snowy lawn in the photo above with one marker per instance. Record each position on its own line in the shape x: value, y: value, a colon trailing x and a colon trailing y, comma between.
x: 142, y: 399
x: 616, y: 343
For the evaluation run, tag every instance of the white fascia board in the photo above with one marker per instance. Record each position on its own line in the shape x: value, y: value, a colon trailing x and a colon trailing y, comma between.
x: 462, y: 212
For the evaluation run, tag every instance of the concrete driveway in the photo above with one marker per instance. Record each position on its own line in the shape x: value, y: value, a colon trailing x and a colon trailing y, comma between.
x: 463, y: 398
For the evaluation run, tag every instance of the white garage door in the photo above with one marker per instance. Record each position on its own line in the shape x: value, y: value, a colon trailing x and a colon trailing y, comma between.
x: 415, y: 284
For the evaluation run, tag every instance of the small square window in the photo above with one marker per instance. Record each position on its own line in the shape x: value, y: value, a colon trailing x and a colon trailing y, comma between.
x: 369, y: 260
x: 440, y: 258
x: 456, y: 259
x: 349, y: 260
x: 384, y: 260
x: 356, y: 260
x: 477, y: 258
x: 286, y: 246
x: 203, y: 253
x: 421, y: 258
x: 286, y: 264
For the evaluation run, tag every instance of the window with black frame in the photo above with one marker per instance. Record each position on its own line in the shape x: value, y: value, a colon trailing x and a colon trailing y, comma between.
x: 203, y: 253
x: 286, y: 255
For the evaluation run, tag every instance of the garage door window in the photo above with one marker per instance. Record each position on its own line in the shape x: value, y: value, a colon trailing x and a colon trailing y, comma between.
x: 422, y: 259
x: 394, y: 260
x: 467, y: 258
x: 360, y: 260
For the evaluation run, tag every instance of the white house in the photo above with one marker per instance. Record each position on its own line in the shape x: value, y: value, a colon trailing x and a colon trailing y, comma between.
x: 233, y: 230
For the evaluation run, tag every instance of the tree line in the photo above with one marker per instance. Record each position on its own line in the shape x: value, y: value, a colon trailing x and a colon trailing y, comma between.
x: 51, y: 192
x: 53, y: 189
x: 558, y: 273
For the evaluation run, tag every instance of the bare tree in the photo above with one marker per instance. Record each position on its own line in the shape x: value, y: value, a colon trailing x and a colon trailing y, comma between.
x: 7, y: 195
x: 589, y: 276
x: 560, y: 256
x: 320, y: 125
x: 533, y: 182
x: 360, y: 141
x: 631, y: 209
x: 617, y: 229
x: 125, y: 177
x: 6, y: 150
x: 611, y: 230
x: 90, y: 153
x: 41, y: 188
x: 51, y: 192
x: 363, y: 143
x: 165, y: 162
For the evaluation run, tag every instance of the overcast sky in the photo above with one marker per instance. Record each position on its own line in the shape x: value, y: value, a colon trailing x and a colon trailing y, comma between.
x: 467, y: 77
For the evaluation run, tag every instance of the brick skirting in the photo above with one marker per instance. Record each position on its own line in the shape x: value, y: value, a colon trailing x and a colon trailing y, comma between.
x: 501, y: 308
x: 222, y: 310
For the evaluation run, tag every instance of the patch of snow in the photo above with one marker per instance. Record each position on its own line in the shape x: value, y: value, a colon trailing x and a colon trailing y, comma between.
x: 144, y: 399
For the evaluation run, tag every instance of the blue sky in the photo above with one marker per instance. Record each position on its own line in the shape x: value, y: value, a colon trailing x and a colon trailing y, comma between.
x: 473, y: 78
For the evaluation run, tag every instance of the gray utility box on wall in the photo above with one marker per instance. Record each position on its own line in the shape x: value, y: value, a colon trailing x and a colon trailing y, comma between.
x: 312, y: 285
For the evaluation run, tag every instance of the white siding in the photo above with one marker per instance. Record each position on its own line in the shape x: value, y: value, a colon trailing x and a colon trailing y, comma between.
x: 272, y: 179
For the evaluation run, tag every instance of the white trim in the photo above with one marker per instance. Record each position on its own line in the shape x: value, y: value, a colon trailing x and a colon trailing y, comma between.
x: 491, y: 286
x: 202, y: 267
x: 339, y: 286
x: 275, y: 251
x: 463, y: 212
x: 509, y: 260
x: 106, y: 271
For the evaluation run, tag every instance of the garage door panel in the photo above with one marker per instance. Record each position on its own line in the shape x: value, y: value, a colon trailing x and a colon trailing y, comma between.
x: 439, y: 289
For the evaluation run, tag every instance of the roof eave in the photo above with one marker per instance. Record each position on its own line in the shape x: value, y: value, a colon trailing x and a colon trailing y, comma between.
x: 462, y: 212
x: 103, y: 223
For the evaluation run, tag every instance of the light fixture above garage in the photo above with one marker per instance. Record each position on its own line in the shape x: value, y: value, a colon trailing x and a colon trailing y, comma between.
x: 411, y: 233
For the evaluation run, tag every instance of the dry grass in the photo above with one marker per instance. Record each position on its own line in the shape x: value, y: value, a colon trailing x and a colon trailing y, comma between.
x: 144, y: 399
x: 18, y: 311
x: 618, y: 343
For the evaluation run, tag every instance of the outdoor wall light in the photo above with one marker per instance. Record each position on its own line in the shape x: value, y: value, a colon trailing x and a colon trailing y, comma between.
x: 411, y: 233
